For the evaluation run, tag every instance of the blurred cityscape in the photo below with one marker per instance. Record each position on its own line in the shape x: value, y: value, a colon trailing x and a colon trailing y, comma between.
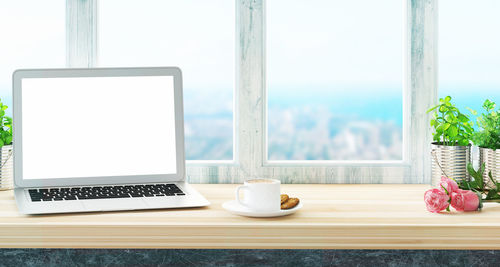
x: 208, y: 124
x: 318, y: 134
x: 298, y: 130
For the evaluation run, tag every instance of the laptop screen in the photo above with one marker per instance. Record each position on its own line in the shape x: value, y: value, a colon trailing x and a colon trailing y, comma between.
x: 98, y: 126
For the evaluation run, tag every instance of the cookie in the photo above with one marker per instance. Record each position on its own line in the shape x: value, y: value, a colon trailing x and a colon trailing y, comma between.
x: 290, y: 203
x: 284, y: 198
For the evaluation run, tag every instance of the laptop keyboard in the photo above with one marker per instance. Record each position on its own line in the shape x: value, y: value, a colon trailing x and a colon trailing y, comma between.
x: 103, y: 192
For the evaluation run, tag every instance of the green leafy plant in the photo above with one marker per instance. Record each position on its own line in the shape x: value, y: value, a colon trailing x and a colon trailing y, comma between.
x: 5, y: 126
x: 488, y: 135
x: 451, y: 127
x: 477, y: 184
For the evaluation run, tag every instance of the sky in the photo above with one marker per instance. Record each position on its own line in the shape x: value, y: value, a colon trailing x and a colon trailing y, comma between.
x: 323, y: 46
x: 469, y: 52
x: 197, y: 35
x: 32, y: 36
x: 318, y: 43
x: 469, y: 44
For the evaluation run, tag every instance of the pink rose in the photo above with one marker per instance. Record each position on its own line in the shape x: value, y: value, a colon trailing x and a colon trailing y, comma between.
x: 436, y: 200
x: 450, y: 185
x: 464, y: 200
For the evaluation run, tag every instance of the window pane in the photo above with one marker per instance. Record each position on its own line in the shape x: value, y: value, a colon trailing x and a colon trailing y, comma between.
x: 196, y: 35
x: 469, y: 52
x: 334, y: 79
x: 32, y: 36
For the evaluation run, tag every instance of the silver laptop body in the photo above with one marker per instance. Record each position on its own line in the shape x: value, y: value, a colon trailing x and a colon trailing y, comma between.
x: 101, y: 139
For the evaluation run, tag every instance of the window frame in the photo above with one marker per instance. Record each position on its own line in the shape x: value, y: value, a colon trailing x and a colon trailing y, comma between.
x: 250, y: 101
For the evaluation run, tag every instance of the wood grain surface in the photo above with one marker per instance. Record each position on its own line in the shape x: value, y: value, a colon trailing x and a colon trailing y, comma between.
x: 333, y: 216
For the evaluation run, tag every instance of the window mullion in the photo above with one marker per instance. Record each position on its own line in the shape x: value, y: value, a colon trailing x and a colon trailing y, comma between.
x: 81, y: 33
x: 250, y: 98
x: 423, y: 83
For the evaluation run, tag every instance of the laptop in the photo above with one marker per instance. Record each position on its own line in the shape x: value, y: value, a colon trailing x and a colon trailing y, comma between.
x: 102, y: 139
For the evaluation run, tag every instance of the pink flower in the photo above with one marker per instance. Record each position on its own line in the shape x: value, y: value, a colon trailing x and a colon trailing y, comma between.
x: 436, y: 200
x: 450, y: 185
x: 464, y: 200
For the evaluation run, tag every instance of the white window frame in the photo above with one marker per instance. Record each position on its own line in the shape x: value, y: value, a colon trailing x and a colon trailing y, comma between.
x: 250, y: 101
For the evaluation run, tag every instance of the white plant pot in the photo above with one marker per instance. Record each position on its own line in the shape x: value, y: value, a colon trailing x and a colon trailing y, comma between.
x: 453, y: 160
x: 491, y: 159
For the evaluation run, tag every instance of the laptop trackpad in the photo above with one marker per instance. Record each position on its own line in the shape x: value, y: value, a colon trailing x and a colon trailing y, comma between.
x: 115, y: 204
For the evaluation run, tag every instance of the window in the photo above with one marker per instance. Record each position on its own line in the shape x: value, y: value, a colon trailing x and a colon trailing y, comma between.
x: 196, y: 35
x: 334, y: 80
x: 33, y: 36
x: 303, y: 91
x: 469, y: 52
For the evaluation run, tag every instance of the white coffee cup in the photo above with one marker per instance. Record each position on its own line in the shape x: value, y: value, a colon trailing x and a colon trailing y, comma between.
x: 260, y: 194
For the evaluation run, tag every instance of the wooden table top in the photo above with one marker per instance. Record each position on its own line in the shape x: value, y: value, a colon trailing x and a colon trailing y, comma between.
x: 333, y: 216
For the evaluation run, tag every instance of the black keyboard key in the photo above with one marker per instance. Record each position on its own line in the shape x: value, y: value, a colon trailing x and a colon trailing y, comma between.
x: 36, y: 199
x: 104, y: 192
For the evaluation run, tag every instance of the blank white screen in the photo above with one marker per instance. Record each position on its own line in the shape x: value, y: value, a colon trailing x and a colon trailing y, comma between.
x: 98, y: 126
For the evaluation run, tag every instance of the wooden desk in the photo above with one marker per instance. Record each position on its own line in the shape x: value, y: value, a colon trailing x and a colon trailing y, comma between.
x: 333, y: 216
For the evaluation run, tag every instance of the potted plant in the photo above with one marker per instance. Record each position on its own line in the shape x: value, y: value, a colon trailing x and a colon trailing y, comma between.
x: 488, y: 141
x: 451, y: 149
x: 6, y: 172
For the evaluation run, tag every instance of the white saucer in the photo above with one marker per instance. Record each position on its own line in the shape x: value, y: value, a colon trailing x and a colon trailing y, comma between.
x: 235, y: 208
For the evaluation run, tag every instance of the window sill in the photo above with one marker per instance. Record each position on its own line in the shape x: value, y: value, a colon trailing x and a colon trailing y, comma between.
x: 333, y: 216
